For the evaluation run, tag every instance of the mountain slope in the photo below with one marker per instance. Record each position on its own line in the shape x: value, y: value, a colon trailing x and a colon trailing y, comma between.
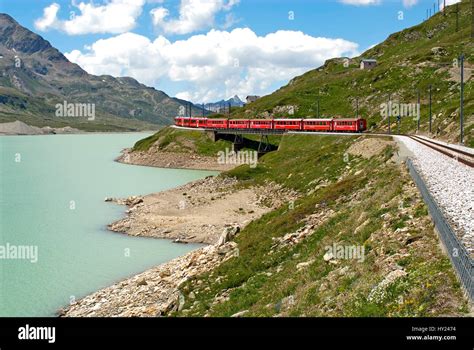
x: 285, y: 264
x: 35, y: 77
x: 408, y: 60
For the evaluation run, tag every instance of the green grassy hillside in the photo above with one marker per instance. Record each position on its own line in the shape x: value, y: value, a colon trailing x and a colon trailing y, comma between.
x: 408, y: 60
x: 346, y: 200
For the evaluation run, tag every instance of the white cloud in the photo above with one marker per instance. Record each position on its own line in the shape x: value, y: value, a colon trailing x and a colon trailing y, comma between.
x: 215, y: 65
x: 230, y: 21
x: 49, y: 19
x: 114, y: 16
x: 410, y: 3
x: 361, y: 2
x: 193, y: 15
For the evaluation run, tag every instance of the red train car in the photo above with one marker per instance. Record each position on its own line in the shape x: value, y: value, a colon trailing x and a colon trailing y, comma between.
x: 349, y: 125
x: 287, y: 124
x: 195, y: 122
x: 201, y: 122
x: 317, y: 124
x: 217, y: 123
x: 192, y: 123
x: 261, y: 124
x: 239, y: 124
x: 186, y: 122
x: 179, y: 121
x: 362, y: 124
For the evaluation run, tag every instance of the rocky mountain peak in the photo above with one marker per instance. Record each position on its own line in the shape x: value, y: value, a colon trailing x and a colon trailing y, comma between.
x: 22, y: 40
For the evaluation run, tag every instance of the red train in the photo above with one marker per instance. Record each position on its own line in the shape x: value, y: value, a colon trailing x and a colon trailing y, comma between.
x: 336, y: 124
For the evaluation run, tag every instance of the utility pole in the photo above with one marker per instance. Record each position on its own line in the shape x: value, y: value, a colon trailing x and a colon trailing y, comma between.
x: 203, y: 109
x: 357, y: 107
x: 418, y: 111
x: 430, y: 107
x: 317, y: 113
x: 461, y: 109
x: 444, y: 8
x: 457, y: 17
x: 434, y: 8
x: 399, y: 120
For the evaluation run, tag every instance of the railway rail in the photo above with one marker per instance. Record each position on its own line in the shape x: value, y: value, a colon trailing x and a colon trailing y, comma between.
x: 460, y: 155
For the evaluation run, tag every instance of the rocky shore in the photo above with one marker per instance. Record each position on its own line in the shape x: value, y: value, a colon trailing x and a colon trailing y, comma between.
x: 174, y: 160
x: 211, y: 211
x: 154, y: 292
x: 20, y: 128
x: 199, y: 211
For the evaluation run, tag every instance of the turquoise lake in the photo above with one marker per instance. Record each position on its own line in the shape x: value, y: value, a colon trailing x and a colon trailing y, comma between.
x: 52, y: 191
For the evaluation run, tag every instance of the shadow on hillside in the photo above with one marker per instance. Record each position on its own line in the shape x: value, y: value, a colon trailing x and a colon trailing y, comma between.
x: 248, y: 143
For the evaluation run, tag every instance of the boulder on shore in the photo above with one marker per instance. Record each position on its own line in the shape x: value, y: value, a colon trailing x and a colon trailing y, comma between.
x: 228, y: 234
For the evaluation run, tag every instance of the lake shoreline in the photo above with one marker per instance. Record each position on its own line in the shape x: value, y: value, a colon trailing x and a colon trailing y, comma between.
x: 209, y: 211
x: 80, y: 173
x: 171, y: 160
x: 19, y: 128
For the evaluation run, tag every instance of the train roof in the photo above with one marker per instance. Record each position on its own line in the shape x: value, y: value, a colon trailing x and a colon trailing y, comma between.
x: 288, y: 119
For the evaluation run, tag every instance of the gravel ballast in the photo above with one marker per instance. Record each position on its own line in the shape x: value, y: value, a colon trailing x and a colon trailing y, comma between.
x: 451, y: 184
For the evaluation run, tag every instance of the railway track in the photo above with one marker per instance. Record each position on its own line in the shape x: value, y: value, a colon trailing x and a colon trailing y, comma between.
x: 455, y: 153
x: 460, y: 155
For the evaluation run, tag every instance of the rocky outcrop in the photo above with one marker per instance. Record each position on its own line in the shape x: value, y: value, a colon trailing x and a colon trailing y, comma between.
x: 310, y: 223
x: 228, y: 234
x: 378, y: 292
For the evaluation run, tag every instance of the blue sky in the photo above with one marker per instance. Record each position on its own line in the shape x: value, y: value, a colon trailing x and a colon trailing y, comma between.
x: 205, y: 50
